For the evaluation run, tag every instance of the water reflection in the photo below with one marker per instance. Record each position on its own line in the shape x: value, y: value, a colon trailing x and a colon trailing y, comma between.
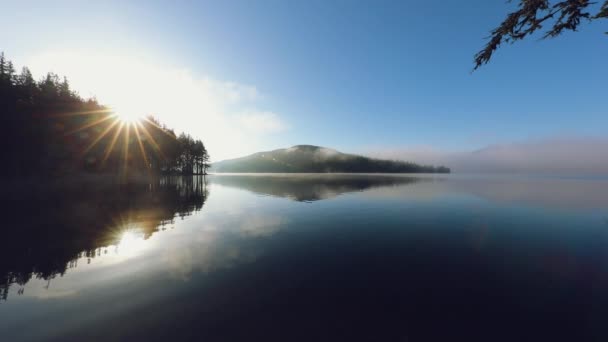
x: 394, y: 260
x: 51, y: 230
x: 543, y: 192
x: 313, y: 187
x: 83, y: 220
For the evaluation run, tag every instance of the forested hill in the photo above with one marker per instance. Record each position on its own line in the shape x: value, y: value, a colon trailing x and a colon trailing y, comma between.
x: 315, y: 159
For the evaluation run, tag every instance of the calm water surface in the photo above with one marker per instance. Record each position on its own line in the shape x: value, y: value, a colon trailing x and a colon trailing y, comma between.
x: 307, y: 257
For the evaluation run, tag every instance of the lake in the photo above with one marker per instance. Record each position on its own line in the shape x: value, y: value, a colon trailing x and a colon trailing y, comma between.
x: 307, y: 258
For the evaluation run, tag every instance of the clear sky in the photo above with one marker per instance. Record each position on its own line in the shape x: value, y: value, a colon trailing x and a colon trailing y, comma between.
x: 358, y: 76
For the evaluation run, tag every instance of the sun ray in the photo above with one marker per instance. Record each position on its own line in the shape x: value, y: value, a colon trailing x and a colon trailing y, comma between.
x: 113, y: 142
x: 91, y: 124
x: 85, y: 112
x: 152, y: 141
x: 126, y: 150
x: 141, y: 146
x: 157, y: 126
x: 99, y: 137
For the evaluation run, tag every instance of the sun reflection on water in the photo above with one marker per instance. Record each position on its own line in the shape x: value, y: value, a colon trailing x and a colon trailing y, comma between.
x: 131, y: 241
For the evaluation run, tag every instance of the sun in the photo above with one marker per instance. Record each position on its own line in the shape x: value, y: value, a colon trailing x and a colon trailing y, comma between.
x: 128, y: 114
x: 131, y: 242
x: 129, y: 117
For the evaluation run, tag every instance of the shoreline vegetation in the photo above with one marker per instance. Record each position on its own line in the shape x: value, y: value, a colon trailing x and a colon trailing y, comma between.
x: 51, y: 131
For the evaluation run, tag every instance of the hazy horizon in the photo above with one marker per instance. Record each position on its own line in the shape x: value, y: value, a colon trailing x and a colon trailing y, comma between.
x: 246, y: 78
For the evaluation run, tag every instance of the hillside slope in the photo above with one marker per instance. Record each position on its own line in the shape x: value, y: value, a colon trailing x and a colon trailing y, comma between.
x: 315, y: 159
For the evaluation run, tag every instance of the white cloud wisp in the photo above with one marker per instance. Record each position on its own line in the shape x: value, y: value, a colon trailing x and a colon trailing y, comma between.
x: 225, y: 115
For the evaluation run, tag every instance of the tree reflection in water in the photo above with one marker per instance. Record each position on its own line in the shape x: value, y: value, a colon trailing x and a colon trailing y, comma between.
x: 50, y: 229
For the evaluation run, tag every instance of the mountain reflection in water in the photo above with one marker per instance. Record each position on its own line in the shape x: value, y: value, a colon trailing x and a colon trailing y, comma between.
x: 313, y: 187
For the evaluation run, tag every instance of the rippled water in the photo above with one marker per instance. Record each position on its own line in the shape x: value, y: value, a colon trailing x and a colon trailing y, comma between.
x: 307, y: 257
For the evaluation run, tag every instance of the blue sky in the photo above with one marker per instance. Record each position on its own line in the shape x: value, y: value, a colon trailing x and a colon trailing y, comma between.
x: 352, y: 75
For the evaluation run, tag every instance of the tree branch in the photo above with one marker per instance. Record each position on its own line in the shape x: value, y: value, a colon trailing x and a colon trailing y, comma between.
x: 531, y: 16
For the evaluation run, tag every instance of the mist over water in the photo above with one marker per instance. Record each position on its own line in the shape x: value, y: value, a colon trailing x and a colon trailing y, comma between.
x: 307, y: 257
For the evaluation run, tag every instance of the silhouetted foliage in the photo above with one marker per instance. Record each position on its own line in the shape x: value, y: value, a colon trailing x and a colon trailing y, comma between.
x: 193, y: 157
x: 532, y: 15
x: 47, y: 128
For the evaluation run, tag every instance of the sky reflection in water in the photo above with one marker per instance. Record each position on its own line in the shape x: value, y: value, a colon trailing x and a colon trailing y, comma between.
x: 309, y: 257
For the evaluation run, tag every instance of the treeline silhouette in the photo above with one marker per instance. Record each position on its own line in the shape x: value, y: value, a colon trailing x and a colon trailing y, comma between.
x: 71, y: 223
x: 48, y: 129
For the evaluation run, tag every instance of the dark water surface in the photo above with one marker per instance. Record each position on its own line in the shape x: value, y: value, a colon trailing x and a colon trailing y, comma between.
x: 307, y: 258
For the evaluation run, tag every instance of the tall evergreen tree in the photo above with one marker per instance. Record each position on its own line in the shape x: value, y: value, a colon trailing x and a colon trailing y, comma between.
x: 10, y: 73
x: 2, y: 67
x: 64, y: 89
x: 25, y: 79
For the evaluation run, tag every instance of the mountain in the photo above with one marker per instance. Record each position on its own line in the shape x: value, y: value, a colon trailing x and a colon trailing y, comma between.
x: 315, y: 159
